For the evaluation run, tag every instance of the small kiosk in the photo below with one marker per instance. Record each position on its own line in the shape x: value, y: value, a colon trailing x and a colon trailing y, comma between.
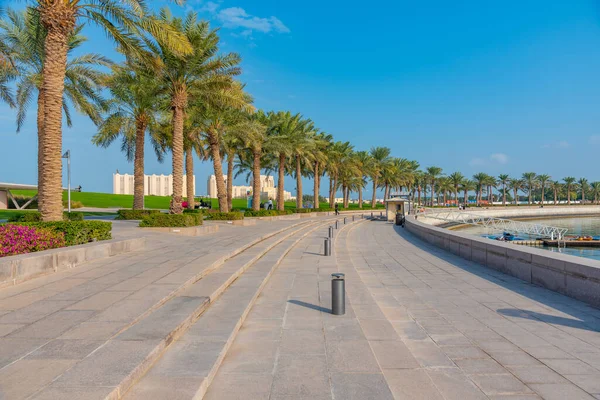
x: 397, y: 204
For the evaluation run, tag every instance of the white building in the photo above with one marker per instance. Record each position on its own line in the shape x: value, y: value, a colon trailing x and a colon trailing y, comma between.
x: 267, y: 189
x: 154, y: 185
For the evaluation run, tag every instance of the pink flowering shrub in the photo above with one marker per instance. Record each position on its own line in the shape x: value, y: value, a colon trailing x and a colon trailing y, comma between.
x: 20, y: 239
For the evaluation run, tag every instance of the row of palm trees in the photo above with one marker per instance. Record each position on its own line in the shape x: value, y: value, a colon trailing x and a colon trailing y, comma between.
x: 177, y: 89
x: 535, y: 187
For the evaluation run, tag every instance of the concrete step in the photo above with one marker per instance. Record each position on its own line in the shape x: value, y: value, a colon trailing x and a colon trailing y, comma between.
x: 187, y: 368
x: 111, y: 369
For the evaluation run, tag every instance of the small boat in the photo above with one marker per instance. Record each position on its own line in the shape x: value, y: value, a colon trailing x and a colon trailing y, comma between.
x: 584, y: 238
x: 509, y: 237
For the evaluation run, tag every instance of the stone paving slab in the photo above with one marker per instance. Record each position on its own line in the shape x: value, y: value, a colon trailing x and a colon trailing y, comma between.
x: 79, y: 311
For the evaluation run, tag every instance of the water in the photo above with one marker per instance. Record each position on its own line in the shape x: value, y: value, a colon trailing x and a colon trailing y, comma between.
x: 576, y: 226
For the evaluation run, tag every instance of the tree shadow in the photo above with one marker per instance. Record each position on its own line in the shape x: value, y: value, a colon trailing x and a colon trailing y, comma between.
x: 311, y: 306
x: 577, y: 309
x: 549, y: 319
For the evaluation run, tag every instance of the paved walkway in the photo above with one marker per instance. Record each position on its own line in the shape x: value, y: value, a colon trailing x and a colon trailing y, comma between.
x: 49, y: 325
x: 420, y: 324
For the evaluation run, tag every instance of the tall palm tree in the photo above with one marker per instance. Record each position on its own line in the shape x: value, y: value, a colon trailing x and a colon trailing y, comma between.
x: 503, y: 180
x: 515, y: 185
x: 303, y: 145
x: 23, y: 33
x: 132, y: 114
x: 595, y: 187
x: 380, y: 156
x: 420, y: 182
x: 583, y: 186
x: 255, y: 129
x: 480, y: 179
x: 490, y: 182
x: 319, y: 158
x: 569, y: 182
x: 530, y: 180
x: 433, y: 174
x: 201, y: 76
x: 466, y: 186
x: 123, y: 21
x: 556, y: 187
x: 364, y: 163
x: 543, y: 180
x: 456, y: 178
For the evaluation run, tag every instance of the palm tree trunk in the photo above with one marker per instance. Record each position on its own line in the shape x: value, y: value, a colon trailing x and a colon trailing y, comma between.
x: 569, y: 195
x: 347, y: 197
x: 360, y: 197
x: 256, y: 180
x: 335, y: 186
x: 138, y: 165
x: 374, y: 198
x: 432, y: 192
x: 230, y: 160
x: 189, y: 178
x: 543, y: 194
x: 59, y: 20
x: 503, y: 195
x: 331, y: 194
x: 298, y: 183
x: 215, y: 153
x: 387, y: 191
x: 419, y: 195
x: 466, y: 199
x: 316, y: 186
x: 179, y: 102
x: 555, y: 197
x: 343, y: 196
x: 40, y: 129
x: 280, y: 201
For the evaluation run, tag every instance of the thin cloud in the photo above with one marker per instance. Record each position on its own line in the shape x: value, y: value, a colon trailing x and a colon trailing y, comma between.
x: 563, y: 144
x: 500, y: 158
x: 594, y: 139
x: 238, y: 18
x: 496, y: 158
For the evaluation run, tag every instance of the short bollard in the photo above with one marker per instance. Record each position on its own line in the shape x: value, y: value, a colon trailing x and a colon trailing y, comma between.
x: 353, y: 218
x: 327, y: 247
x: 371, y: 214
x: 336, y: 224
x: 338, y: 294
x: 344, y: 220
x: 381, y: 213
x: 330, y: 231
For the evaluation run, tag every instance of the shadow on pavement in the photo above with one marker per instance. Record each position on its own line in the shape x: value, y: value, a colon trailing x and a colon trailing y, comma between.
x: 311, y: 306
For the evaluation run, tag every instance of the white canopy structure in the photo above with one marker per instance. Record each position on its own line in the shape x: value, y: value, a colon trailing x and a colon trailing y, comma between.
x: 5, y: 194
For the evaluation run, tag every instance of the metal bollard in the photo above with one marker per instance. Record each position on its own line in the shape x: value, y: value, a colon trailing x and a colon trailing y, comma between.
x: 338, y: 294
x: 353, y: 218
x: 344, y: 220
x: 330, y: 231
x: 371, y: 214
x: 381, y: 213
x: 327, y: 247
x: 336, y: 224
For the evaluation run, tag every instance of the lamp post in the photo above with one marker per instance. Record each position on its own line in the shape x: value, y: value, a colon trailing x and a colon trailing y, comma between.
x: 67, y: 155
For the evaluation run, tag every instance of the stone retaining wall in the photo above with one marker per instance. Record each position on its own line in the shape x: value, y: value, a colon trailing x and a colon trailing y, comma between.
x: 16, y: 269
x: 576, y: 277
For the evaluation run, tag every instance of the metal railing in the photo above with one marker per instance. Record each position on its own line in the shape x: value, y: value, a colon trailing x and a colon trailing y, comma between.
x: 499, y: 224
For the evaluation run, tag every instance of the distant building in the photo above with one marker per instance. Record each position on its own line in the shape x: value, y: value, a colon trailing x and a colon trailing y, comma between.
x: 267, y: 189
x: 154, y: 185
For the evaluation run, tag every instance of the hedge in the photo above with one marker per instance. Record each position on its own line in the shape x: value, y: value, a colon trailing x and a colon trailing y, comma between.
x: 34, y: 216
x: 127, y: 214
x: 194, y: 211
x: 76, y: 232
x: 171, y: 220
x: 266, y: 213
x: 222, y: 216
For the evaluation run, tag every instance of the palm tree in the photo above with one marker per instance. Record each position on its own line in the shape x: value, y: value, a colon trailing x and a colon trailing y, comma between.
x: 530, y: 180
x: 595, y: 187
x: 456, y: 178
x: 123, y: 21
x: 254, y: 139
x: 445, y: 186
x: 503, y: 180
x: 556, y: 187
x: 364, y: 162
x: 480, y: 179
x: 569, y: 181
x: 319, y: 158
x: 132, y: 114
x: 583, y: 186
x: 23, y: 34
x: 515, y: 185
x: 490, y: 183
x: 380, y: 156
x: 433, y: 174
x: 8, y: 71
x: 466, y: 186
x: 303, y: 145
x: 201, y: 76
x: 543, y: 180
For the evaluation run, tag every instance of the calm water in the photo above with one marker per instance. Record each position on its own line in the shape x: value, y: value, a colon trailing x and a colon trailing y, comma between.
x: 576, y: 226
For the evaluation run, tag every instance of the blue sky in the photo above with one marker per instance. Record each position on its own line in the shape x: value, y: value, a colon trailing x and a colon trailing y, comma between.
x: 498, y: 87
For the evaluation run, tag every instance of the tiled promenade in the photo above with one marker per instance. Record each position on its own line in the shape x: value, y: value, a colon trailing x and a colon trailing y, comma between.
x: 420, y: 324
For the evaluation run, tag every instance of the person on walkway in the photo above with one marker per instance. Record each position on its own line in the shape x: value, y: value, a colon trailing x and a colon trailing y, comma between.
x: 337, y: 209
x: 270, y: 204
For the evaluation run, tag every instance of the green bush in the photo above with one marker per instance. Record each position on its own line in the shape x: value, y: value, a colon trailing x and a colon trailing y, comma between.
x: 76, y: 232
x: 171, y: 220
x: 127, y: 214
x: 303, y: 210
x: 222, y: 216
x: 194, y: 211
x: 266, y: 213
x: 34, y: 216
x: 74, y: 204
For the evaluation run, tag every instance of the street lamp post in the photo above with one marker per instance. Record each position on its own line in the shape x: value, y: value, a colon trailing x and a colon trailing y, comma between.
x: 67, y: 155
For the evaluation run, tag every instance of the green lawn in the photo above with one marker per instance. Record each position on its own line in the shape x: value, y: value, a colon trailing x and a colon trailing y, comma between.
x: 107, y: 200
